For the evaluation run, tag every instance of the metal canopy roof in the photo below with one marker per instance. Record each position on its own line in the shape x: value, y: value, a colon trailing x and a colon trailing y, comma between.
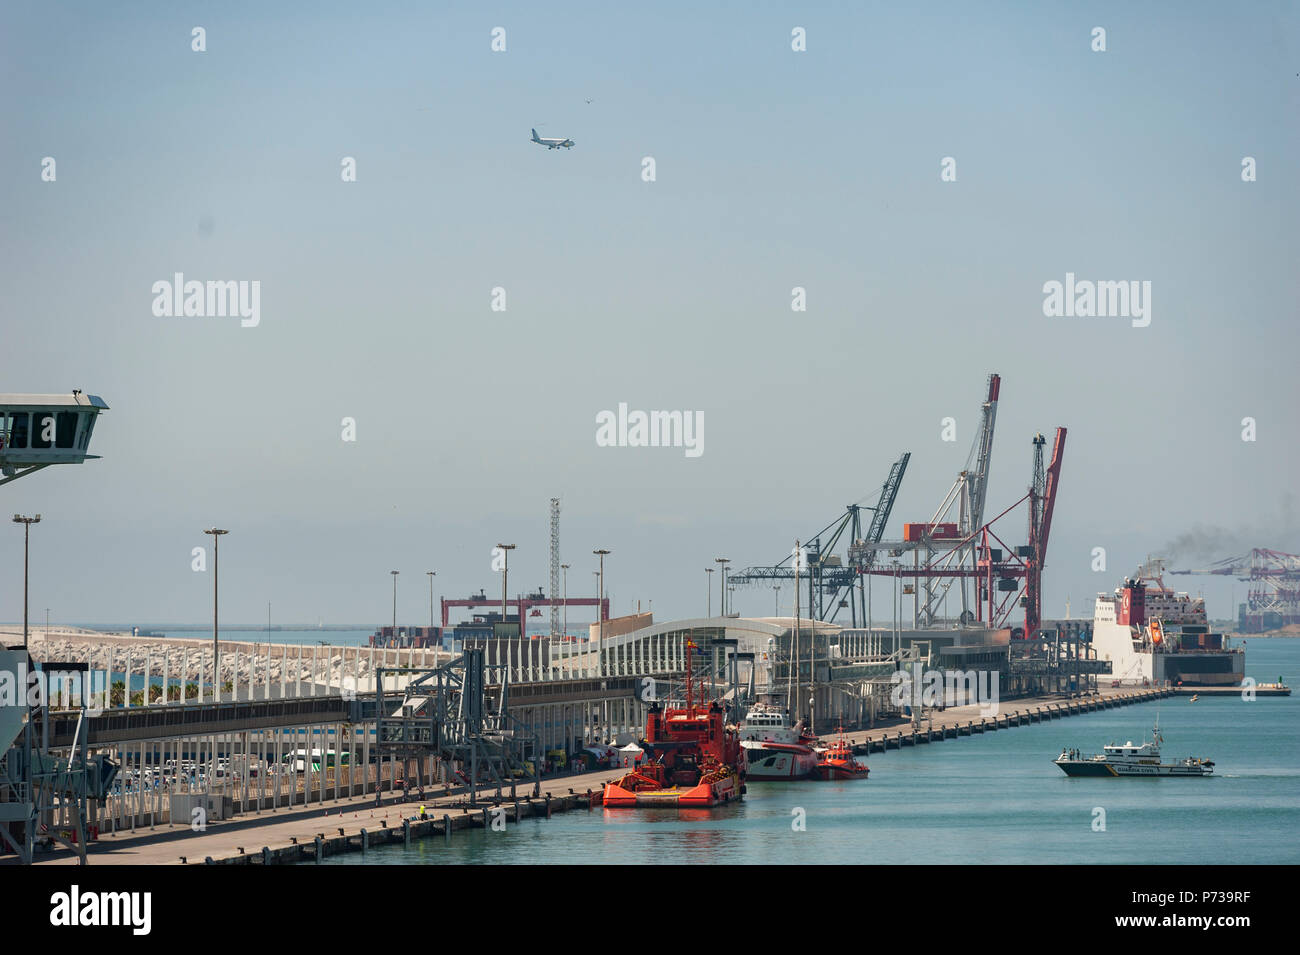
x: 75, y: 398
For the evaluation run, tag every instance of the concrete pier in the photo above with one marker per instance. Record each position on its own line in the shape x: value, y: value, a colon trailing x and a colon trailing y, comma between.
x: 299, y: 835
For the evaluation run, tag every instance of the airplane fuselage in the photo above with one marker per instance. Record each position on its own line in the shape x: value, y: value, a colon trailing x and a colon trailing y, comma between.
x: 552, y: 143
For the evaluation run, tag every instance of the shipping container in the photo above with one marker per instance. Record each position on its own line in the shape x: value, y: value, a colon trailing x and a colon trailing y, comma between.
x: 942, y: 531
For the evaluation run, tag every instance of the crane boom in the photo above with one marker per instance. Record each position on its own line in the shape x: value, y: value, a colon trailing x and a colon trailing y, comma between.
x: 1042, y: 501
x: 1049, y: 494
x: 885, y: 504
x: 979, y: 480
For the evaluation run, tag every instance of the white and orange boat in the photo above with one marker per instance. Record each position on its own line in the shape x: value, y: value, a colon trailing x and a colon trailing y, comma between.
x: 773, y: 748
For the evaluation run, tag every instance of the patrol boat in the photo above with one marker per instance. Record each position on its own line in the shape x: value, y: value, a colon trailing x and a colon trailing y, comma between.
x: 1130, y: 759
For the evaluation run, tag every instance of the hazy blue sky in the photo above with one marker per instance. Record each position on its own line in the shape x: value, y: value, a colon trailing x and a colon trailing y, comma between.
x: 775, y: 169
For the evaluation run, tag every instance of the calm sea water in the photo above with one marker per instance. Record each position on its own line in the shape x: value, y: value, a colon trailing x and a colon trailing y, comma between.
x: 995, y: 798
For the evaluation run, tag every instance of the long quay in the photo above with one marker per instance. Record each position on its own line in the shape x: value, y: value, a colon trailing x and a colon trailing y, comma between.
x: 441, y: 821
x: 290, y: 835
x: 958, y: 721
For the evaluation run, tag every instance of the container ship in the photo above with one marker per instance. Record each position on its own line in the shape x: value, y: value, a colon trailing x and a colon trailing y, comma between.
x: 1153, y: 635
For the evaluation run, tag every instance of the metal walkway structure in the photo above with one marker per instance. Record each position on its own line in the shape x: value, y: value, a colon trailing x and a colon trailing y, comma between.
x: 456, y: 712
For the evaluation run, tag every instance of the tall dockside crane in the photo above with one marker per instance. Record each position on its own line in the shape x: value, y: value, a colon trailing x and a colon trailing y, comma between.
x: 1042, y: 500
x: 975, y: 482
x: 999, y: 567
x: 884, y: 505
x: 956, y: 542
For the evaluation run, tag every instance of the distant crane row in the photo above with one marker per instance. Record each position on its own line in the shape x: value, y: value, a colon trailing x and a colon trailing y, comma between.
x: 1273, y: 600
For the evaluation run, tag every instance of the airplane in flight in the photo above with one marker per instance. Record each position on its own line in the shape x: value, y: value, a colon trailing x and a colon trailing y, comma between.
x: 552, y: 143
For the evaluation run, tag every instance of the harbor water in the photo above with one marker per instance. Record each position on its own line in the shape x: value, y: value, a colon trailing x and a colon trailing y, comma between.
x: 991, y: 798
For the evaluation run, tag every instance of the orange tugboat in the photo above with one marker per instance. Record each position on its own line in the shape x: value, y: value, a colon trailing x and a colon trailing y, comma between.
x: 838, y: 761
x: 692, y: 759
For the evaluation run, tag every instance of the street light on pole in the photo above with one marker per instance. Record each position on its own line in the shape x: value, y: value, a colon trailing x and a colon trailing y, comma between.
x: 709, y: 571
x: 776, y: 598
x: 432, y: 574
x: 722, y: 590
x: 565, y: 569
x: 394, y: 573
x: 600, y: 608
x: 216, y: 533
x: 505, y: 577
x: 27, y: 523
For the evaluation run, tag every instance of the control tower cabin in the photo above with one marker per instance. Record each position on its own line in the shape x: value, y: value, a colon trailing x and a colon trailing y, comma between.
x: 39, y: 430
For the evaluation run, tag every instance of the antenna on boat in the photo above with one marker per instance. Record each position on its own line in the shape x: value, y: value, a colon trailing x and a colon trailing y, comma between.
x: 690, y: 704
x: 791, y: 686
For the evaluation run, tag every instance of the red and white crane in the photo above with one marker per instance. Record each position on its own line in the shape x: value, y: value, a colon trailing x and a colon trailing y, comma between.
x: 1008, y: 577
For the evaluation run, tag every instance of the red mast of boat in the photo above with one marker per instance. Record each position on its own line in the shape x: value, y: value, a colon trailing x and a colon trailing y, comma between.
x: 690, y: 701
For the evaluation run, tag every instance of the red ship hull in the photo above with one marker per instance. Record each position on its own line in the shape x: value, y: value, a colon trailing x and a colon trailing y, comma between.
x: 706, y: 795
x: 850, y: 770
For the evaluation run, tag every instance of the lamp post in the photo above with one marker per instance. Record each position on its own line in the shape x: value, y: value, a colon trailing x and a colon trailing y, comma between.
x: 776, y: 600
x: 709, y: 571
x: 216, y: 533
x: 431, y: 574
x: 565, y: 569
x: 27, y: 523
x: 505, y: 576
x: 394, y: 573
x: 722, y: 591
x: 897, y: 608
x: 600, y: 610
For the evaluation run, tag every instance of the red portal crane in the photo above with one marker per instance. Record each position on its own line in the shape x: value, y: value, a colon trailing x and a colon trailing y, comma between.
x: 999, y: 568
